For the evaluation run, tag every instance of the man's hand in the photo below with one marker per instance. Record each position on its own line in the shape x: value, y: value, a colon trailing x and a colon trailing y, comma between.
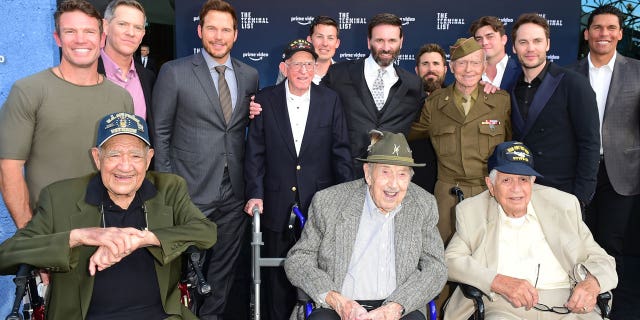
x: 119, y: 241
x: 488, y: 87
x: 346, y: 308
x: 104, y: 258
x: 520, y: 293
x: 584, y: 296
x: 254, y: 108
x: 248, y: 208
x: 390, y: 311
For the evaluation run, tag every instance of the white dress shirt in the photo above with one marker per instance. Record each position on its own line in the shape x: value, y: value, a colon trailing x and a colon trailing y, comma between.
x: 600, y: 79
x: 371, y: 73
x: 500, y: 67
x: 298, y: 108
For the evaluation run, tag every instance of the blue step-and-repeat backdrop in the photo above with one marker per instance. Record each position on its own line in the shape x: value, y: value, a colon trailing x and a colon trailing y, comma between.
x: 265, y: 27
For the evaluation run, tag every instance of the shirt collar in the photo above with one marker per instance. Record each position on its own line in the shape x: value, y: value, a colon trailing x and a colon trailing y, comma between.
x: 529, y: 217
x: 611, y: 62
x: 96, y: 191
x: 111, y: 68
x: 291, y: 96
x: 503, y: 62
x: 371, y: 67
x: 212, y: 63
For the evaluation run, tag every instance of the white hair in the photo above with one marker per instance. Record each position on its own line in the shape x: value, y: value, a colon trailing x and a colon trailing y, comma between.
x: 494, y: 174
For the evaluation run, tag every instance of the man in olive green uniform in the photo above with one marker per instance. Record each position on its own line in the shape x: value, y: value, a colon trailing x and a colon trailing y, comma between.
x: 464, y: 125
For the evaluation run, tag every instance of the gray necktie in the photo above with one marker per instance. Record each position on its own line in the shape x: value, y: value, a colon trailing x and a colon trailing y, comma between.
x: 224, y: 93
x: 378, y: 89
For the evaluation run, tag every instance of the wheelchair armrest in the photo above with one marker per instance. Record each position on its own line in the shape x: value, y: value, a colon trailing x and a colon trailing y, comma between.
x: 473, y: 293
x: 603, y: 303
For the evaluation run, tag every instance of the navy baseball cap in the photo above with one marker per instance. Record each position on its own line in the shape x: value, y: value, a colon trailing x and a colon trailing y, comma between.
x: 122, y: 123
x: 512, y: 157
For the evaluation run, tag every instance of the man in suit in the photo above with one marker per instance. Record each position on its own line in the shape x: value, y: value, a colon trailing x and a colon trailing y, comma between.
x: 200, y: 108
x: 370, y: 249
x: 124, y: 22
x: 525, y: 247
x: 146, y: 60
x: 48, y: 121
x: 614, y: 78
x: 554, y: 113
x: 298, y: 146
x: 375, y: 93
x: 112, y: 241
x: 501, y: 69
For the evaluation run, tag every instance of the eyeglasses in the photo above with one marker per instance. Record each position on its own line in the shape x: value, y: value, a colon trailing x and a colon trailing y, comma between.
x: 297, y: 66
x: 558, y: 310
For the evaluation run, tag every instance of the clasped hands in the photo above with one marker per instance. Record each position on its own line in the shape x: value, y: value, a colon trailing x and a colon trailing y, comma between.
x: 520, y: 293
x: 351, y: 310
x: 113, y: 244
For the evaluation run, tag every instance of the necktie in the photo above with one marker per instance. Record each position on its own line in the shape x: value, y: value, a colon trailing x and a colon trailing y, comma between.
x: 144, y: 62
x: 466, y: 104
x: 378, y: 89
x: 224, y: 94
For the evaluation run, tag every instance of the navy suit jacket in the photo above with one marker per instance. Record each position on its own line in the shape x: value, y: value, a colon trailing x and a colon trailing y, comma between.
x: 562, y: 131
x: 401, y: 109
x: 274, y: 173
x: 621, y: 124
x: 511, y: 72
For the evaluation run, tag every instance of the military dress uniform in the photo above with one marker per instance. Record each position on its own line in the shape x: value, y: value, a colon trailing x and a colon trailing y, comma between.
x: 462, y: 143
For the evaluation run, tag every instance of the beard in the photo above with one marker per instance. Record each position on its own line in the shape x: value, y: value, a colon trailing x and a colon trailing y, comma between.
x: 430, y: 84
x: 384, y: 62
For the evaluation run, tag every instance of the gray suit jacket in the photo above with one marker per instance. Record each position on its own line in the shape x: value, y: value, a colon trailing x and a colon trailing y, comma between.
x: 318, y: 262
x: 472, y: 254
x: 190, y: 135
x: 621, y: 124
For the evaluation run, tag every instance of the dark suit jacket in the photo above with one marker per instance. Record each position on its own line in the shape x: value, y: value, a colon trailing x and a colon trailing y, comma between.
x: 400, y: 110
x: 192, y: 139
x: 147, y: 80
x: 562, y: 132
x: 151, y: 63
x: 44, y: 243
x: 272, y: 167
x: 511, y: 72
x: 621, y: 124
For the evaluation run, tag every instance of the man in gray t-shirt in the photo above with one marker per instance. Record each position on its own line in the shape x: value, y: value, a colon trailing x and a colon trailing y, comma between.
x: 47, y: 124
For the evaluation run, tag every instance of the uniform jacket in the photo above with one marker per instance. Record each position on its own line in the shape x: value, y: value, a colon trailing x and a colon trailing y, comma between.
x: 273, y: 170
x: 621, y: 124
x: 471, y: 255
x: 190, y: 134
x: 562, y: 132
x: 44, y: 243
x: 399, y: 111
x: 318, y: 262
x: 463, y: 143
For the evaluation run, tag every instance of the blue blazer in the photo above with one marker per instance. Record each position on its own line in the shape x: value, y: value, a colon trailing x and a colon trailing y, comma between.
x: 274, y: 173
x: 562, y: 131
x: 511, y: 72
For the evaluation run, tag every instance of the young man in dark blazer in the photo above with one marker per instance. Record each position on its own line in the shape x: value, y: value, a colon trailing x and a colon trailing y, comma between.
x: 614, y: 78
x: 297, y: 146
x: 554, y: 113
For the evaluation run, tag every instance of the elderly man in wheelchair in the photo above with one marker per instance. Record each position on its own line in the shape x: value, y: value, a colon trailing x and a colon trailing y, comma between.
x: 371, y: 249
x: 526, y: 248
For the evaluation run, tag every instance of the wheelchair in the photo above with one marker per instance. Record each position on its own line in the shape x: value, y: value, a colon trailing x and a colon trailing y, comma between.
x: 473, y: 293
x: 257, y: 262
x: 193, y: 282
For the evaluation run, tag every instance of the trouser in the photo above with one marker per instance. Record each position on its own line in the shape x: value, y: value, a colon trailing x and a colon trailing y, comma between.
x: 608, y: 217
x: 447, y: 221
x: 278, y: 294
x: 330, y: 314
x: 220, y: 260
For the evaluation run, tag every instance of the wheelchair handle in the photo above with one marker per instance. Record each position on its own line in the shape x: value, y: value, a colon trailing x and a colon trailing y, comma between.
x: 24, y: 270
x: 202, y: 286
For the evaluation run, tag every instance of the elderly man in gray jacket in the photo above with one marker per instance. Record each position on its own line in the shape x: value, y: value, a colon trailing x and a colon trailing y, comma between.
x: 371, y: 248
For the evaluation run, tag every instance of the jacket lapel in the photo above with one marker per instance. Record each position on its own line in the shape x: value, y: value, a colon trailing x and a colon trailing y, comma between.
x: 448, y: 107
x: 316, y: 103
x: 543, y: 94
x: 203, y: 75
x: 492, y: 235
x: 239, y: 112
x: 617, y: 82
x: 356, y: 72
x: 89, y: 217
x: 278, y: 105
x: 480, y: 108
x: 346, y: 231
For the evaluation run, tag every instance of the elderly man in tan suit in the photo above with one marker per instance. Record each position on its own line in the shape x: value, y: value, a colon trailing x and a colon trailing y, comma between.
x: 525, y: 246
x: 464, y: 124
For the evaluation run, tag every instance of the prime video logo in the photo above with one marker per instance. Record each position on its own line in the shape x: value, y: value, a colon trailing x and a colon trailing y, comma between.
x: 303, y: 21
x: 352, y: 56
x: 407, y: 20
x: 255, y: 56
